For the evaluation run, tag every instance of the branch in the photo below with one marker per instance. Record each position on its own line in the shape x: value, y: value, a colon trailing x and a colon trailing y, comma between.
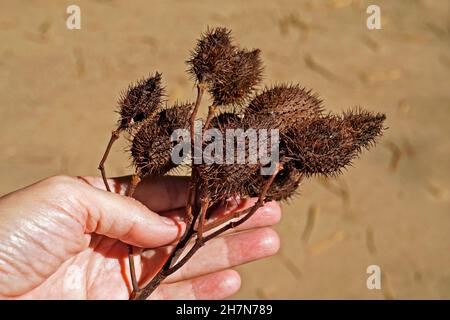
x: 189, y: 233
x: 201, y: 240
x: 135, y: 179
x: 134, y: 182
x: 114, y: 136
x: 211, y: 112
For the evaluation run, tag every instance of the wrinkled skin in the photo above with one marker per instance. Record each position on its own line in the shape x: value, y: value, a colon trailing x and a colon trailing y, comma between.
x: 65, y: 238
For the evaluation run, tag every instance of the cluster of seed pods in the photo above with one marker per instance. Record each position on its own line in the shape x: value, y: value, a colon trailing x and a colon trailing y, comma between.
x: 311, y: 140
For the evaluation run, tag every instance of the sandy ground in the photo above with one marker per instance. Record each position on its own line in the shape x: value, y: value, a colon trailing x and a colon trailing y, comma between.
x: 58, y: 90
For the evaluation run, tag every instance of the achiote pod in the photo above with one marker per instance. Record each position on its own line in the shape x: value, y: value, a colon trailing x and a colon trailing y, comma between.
x: 284, y: 186
x: 218, y: 182
x: 287, y: 105
x: 151, y: 147
x: 325, y: 145
x: 230, y: 74
x: 140, y: 101
x: 235, y: 86
x: 211, y: 58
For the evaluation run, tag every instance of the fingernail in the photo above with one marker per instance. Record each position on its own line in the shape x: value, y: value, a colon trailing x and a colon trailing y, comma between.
x: 168, y: 221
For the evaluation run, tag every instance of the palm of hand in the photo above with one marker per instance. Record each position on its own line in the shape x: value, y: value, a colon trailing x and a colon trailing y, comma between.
x: 67, y: 240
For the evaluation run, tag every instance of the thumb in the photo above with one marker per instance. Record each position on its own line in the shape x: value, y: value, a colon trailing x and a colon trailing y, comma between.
x: 123, y: 218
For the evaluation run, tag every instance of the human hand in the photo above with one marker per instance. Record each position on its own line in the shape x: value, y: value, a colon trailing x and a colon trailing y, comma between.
x: 66, y: 238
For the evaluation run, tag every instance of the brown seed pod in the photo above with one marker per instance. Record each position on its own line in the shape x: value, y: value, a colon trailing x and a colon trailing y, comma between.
x: 212, y: 55
x: 225, y: 120
x: 218, y: 182
x: 151, y: 148
x: 327, y: 144
x: 283, y: 187
x: 236, y: 86
x: 151, y: 151
x: 141, y: 101
x: 176, y: 117
x: 286, y: 104
x: 365, y: 126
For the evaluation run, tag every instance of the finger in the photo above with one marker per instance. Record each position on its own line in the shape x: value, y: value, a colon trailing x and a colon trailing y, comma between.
x: 113, y: 215
x: 229, y: 251
x: 219, y: 285
x: 163, y: 193
x: 267, y: 215
x: 157, y: 193
x: 166, y: 193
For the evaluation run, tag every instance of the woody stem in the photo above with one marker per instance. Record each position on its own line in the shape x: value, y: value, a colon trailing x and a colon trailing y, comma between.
x: 114, y: 136
x: 134, y: 182
x: 254, y: 208
x: 211, y: 111
x: 201, y: 240
x: 135, y: 179
x: 191, y: 216
x: 191, y: 191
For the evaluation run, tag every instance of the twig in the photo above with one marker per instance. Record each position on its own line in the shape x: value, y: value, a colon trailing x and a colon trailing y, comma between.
x: 212, y: 110
x: 200, y: 241
x: 114, y: 136
x: 256, y: 206
x: 210, y: 226
x: 201, y: 221
x: 163, y: 273
x: 190, y: 214
x: 135, y: 179
x: 134, y: 282
x: 191, y: 191
x: 219, y: 221
x: 134, y: 182
x: 200, y: 91
x: 183, y: 242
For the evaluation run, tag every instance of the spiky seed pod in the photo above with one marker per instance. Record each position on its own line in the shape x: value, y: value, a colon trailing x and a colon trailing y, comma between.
x: 151, y: 148
x: 176, y: 117
x: 327, y: 144
x: 365, y: 125
x: 151, y: 151
x: 286, y: 104
x: 225, y: 120
x: 140, y: 101
x: 220, y: 181
x: 212, y: 55
x: 283, y: 187
x: 236, y: 86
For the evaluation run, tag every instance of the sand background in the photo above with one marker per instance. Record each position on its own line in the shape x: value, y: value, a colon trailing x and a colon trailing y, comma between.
x: 58, y: 90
